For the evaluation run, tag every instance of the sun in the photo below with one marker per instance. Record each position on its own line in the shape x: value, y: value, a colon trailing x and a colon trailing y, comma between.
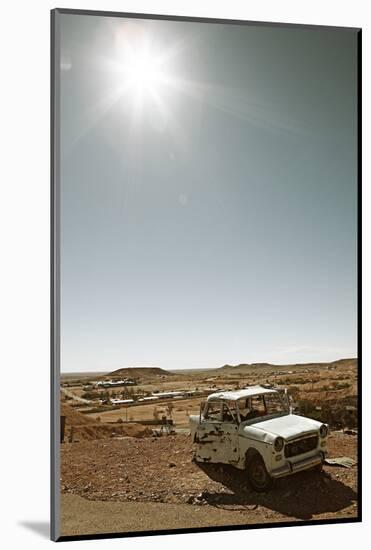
x: 140, y: 81
x: 142, y: 72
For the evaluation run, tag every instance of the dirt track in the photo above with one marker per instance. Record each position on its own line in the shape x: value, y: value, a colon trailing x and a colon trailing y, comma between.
x: 156, y: 479
x: 81, y: 516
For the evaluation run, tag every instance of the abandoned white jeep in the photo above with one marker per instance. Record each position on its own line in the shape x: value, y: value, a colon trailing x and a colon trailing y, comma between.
x: 254, y: 430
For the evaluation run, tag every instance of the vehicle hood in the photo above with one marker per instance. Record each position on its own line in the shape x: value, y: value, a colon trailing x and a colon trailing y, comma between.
x: 288, y: 426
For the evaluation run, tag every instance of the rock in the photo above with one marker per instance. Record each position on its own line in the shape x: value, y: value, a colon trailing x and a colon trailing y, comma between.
x: 348, y: 431
x: 172, y: 465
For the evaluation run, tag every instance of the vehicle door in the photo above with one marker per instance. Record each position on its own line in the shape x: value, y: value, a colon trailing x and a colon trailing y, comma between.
x: 208, y: 433
x: 218, y: 434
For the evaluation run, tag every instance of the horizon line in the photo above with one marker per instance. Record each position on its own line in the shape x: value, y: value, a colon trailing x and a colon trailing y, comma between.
x: 255, y: 363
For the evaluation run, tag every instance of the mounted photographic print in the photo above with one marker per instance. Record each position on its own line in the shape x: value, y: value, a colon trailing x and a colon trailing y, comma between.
x: 205, y: 334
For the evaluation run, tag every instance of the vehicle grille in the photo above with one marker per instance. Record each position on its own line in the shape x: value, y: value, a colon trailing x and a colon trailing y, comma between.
x: 301, y: 446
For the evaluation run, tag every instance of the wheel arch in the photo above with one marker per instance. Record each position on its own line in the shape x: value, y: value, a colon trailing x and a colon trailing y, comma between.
x: 259, y: 481
x: 253, y: 452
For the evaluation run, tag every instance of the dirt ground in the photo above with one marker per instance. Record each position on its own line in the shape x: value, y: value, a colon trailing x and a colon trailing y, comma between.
x: 180, y: 413
x: 130, y: 484
x: 85, y: 517
x: 85, y: 427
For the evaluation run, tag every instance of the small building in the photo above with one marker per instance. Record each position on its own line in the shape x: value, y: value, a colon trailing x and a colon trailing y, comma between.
x: 153, y: 398
x: 121, y: 401
x: 166, y: 394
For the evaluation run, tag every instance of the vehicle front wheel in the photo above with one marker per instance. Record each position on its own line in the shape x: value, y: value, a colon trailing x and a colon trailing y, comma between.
x: 257, y: 474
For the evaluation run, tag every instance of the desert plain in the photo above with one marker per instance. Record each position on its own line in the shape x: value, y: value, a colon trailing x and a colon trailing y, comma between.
x: 126, y: 454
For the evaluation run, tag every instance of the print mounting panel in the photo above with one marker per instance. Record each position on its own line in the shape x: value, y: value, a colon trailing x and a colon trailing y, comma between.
x: 205, y: 318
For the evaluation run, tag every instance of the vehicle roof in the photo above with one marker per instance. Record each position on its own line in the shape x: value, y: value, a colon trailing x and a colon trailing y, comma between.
x: 239, y: 394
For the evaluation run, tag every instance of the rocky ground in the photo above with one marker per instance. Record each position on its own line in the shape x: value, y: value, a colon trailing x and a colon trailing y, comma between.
x: 160, y: 470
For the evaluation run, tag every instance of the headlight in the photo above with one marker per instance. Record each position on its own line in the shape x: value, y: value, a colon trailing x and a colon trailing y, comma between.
x: 323, y: 431
x: 278, y: 444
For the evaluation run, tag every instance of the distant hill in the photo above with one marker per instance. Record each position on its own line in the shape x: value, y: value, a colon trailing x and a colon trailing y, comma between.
x: 345, y: 362
x: 242, y: 366
x: 246, y: 365
x: 140, y: 372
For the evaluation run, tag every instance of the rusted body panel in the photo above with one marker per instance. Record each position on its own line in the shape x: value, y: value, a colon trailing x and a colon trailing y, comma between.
x: 217, y: 443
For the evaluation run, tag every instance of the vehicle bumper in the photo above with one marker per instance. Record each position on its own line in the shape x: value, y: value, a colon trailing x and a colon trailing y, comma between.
x: 293, y: 467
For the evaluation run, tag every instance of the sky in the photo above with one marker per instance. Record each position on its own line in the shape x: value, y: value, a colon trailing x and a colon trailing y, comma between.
x: 208, y: 194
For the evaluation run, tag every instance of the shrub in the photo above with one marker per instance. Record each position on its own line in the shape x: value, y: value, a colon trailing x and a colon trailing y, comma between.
x: 342, y: 385
x: 306, y: 406
x: 293, y: 391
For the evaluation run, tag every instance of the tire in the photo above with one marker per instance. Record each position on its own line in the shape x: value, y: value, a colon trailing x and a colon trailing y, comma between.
x: 257, y: 474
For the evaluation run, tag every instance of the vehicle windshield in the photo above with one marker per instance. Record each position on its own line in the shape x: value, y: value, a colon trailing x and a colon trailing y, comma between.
x: 258, y: 406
